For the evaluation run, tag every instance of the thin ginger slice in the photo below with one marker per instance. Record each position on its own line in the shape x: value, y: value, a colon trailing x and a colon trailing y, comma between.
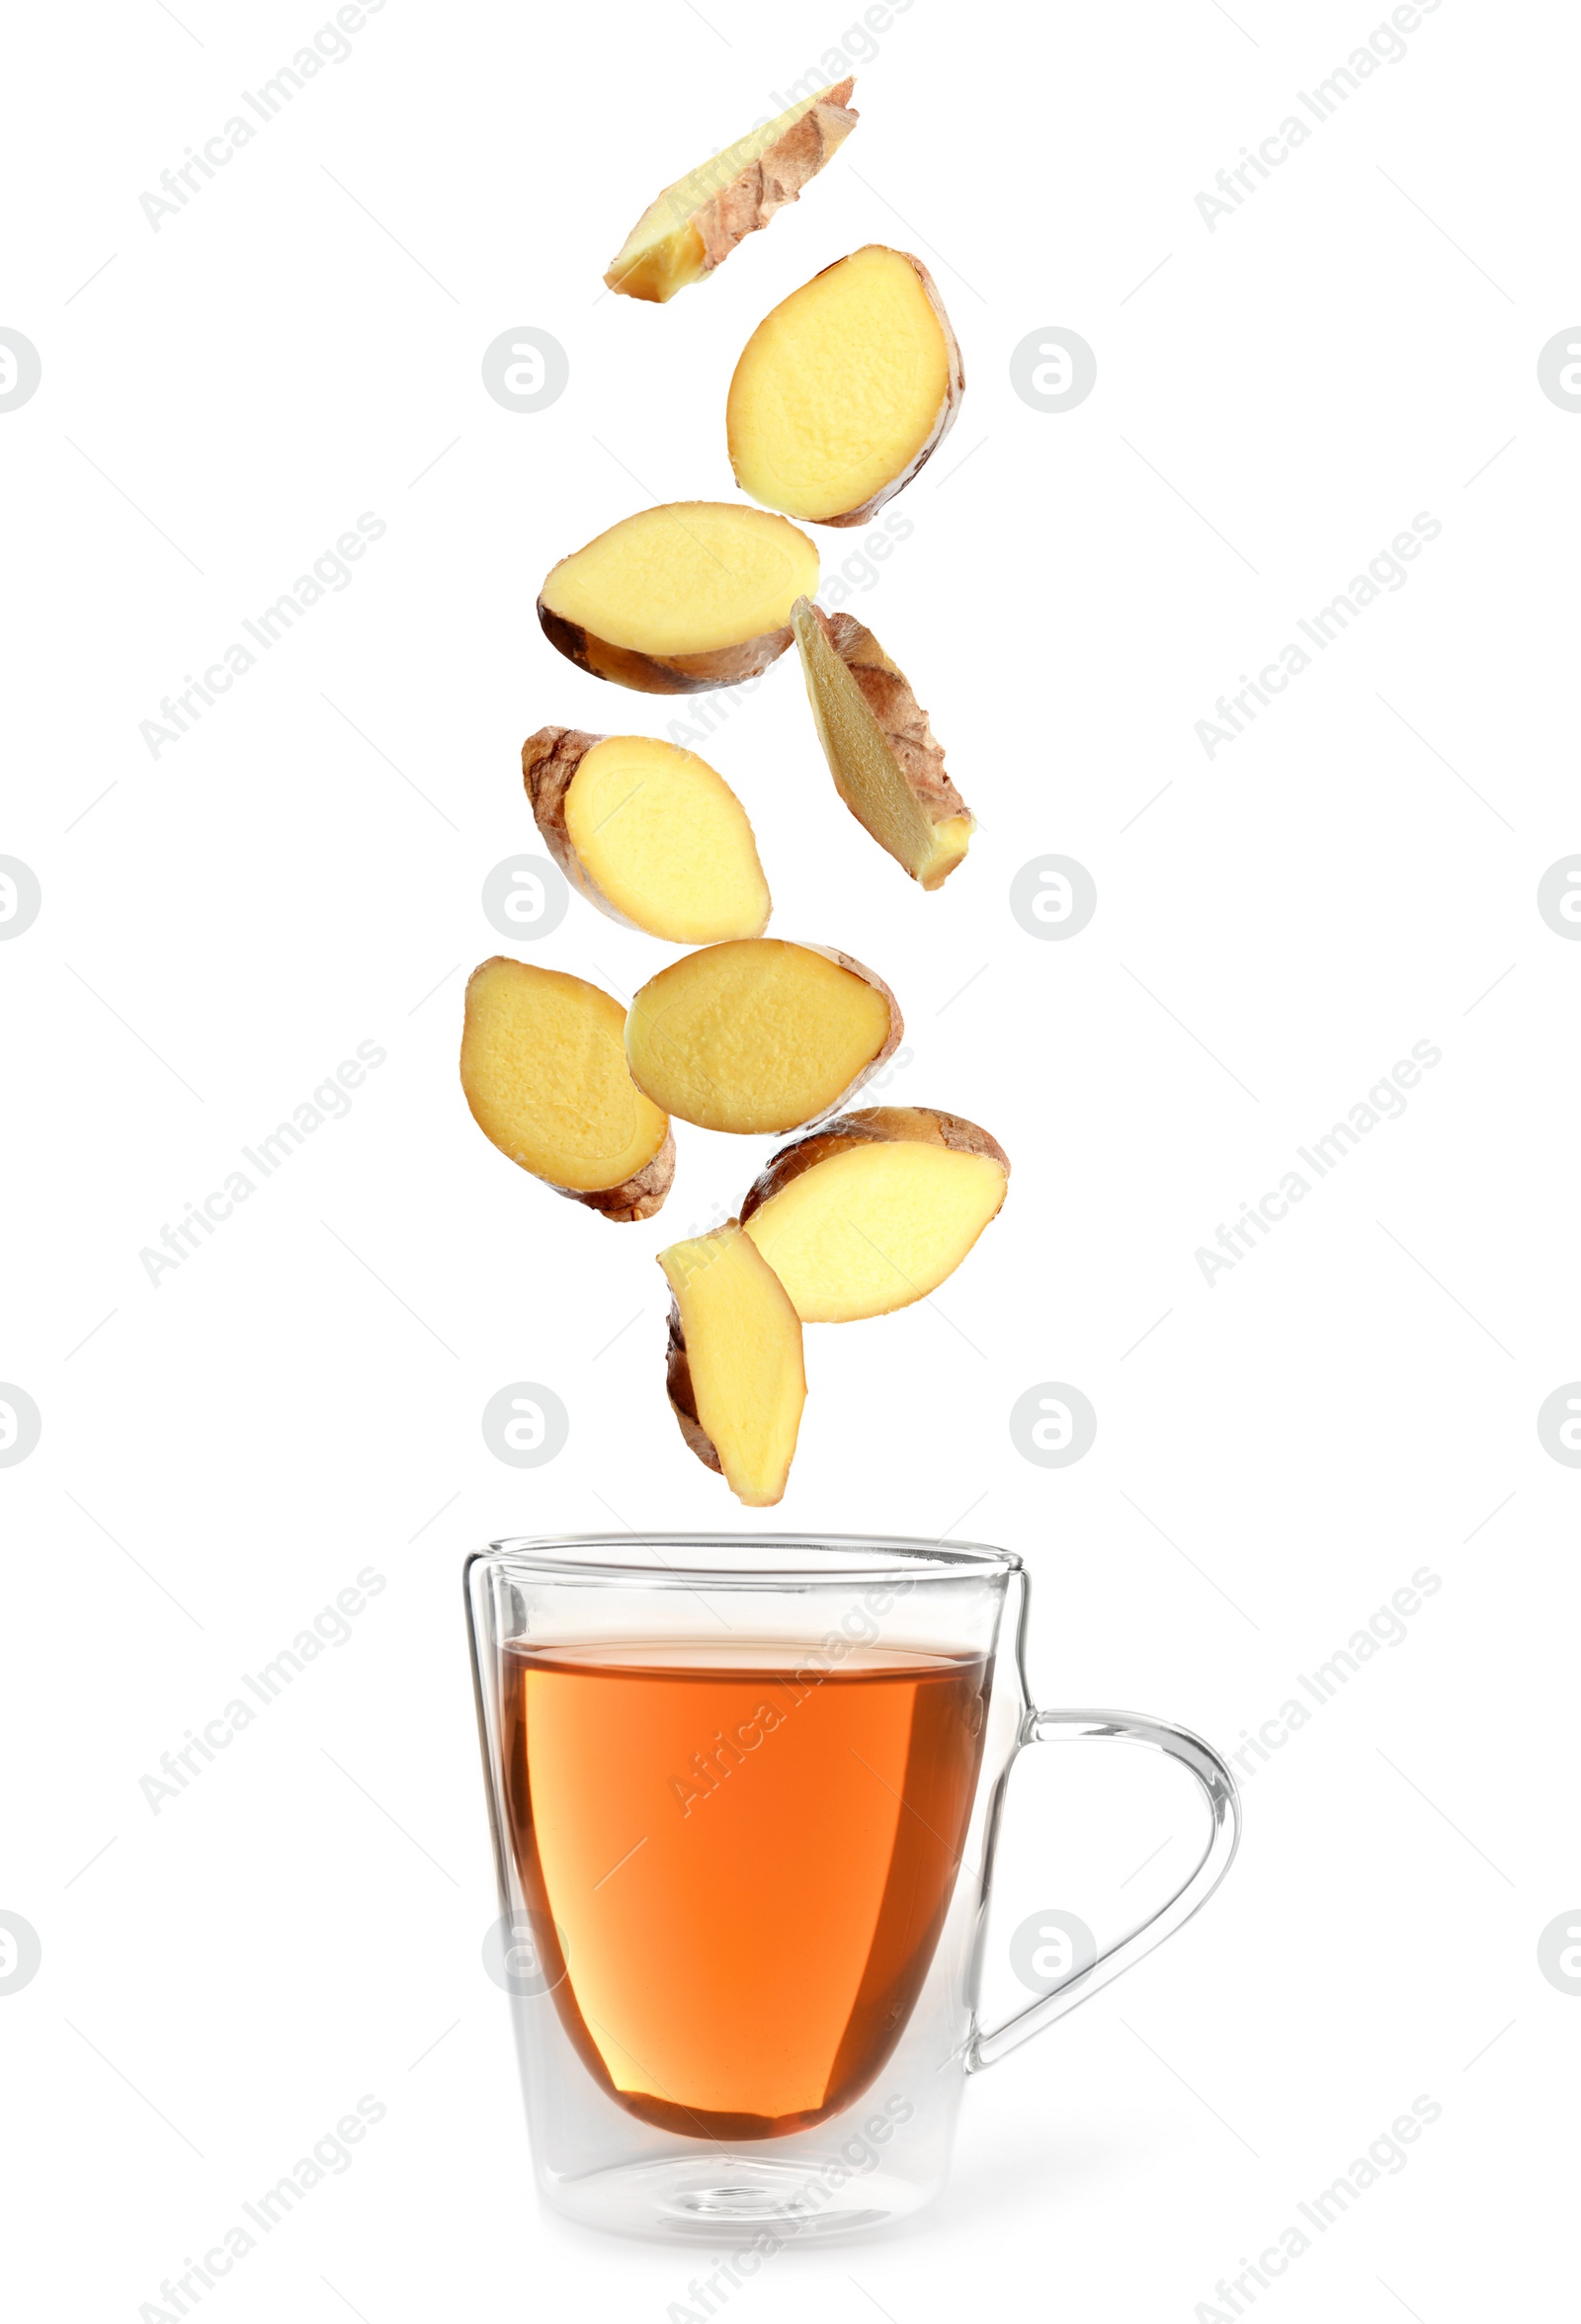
x: 695, y: 223
x: 648, y: 832
x: 873, y: 1211
x: 679, y: 597
x: 543, y: 1071
x: 759, y: 1036
x: 735, y: 1374
x: 882, y: 752
x: 843, y: 389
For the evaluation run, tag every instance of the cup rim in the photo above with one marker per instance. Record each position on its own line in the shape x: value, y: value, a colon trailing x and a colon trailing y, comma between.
x: 876, y: 1559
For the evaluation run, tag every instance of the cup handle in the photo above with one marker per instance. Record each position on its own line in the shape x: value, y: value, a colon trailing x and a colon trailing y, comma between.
x: 986, y: 2048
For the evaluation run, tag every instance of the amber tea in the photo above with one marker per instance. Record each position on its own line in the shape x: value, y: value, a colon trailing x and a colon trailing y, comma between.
x: 737, y: 1862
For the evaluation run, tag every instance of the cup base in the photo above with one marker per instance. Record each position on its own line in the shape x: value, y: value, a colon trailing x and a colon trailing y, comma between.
x: 756, y: 2205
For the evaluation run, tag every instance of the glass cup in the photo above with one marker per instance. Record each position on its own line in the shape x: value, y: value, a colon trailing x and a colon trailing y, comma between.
x: 744, y: 1792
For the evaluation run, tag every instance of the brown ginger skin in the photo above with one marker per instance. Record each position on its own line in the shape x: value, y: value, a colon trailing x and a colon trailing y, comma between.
x: 550, y: 761
x: 776, y: 179
x: 639, y: 1197
x: 682, y: 672
x: 887, y: 693
x: 683, y: 1401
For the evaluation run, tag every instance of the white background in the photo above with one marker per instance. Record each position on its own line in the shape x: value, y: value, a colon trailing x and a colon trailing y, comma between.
x: 221, y: 1452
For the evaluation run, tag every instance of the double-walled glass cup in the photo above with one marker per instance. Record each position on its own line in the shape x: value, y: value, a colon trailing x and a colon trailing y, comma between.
x: 744, y: 1792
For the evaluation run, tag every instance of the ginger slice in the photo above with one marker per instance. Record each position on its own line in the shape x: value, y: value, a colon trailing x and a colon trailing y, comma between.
x: 843, y: 389
x: 543, y: 1071
x: 735, y: 1374
x: 679, y: 597
x: 648, y: 832
x: 886, y: 765
x: 694, y: 225
x: 759, y: 1035
x: 875, y: 1211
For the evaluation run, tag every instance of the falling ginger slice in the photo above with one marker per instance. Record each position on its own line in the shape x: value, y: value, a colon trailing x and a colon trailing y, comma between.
x: 843, y: 389
x: 543, y: 1073
x: 886, y: 765
x: 679, y: 597
x: 735, y: 1374
x: 694, y: 225
x: 759, y: 1036
x: 648, y: 832
x: 874, y: 1209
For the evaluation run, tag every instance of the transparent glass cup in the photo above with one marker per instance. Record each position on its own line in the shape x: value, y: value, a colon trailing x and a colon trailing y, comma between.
x: 744, y: 1792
